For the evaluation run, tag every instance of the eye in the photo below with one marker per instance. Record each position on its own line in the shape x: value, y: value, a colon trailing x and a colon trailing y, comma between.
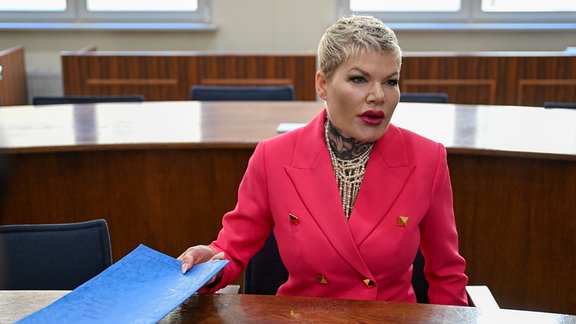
x: 357, y: 79
x: 392, y: 82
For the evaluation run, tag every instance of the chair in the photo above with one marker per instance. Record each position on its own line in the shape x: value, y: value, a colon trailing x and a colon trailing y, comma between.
x: 244, y: 93
x: 3, y: 179
x: 568, y: 105
x: 429, y: 97
x: 53, y: 256
x: 56, y: 100
x: 265, y: 273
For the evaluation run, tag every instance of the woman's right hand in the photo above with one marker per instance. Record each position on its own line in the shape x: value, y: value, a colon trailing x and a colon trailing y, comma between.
x: 195, y: 255
x: 200, y: 254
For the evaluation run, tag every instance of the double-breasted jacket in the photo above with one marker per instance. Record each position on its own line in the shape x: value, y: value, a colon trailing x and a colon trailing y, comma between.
x: 404, y: 202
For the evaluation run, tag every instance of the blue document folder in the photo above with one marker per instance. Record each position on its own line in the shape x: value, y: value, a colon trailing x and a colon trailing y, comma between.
x: 142, y: 287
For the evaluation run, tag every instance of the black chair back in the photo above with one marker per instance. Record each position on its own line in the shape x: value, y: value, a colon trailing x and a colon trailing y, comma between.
x: 419, y: 282
x: 265, y: 272
x: 53, y: 256
x: 565, y: 105
x: 3, y: 181
x: 59, y: 100
x: 427, y: 97
x: 248, y: 93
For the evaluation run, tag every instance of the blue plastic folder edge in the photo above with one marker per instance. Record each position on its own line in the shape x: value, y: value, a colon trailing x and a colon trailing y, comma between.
x: 142, y: 287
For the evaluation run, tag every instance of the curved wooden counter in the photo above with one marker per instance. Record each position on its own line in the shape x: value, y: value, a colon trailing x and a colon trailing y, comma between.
x: 163, y: 174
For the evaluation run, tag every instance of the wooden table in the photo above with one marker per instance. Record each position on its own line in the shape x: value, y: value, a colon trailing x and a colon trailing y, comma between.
x: 240, y: 308
x: 164, y: 173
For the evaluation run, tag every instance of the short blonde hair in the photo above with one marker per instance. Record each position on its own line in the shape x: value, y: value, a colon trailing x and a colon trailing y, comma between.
x: 351, y: 35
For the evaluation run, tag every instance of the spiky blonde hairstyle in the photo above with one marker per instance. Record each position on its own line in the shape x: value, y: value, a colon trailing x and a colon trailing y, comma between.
x: 351, y: 35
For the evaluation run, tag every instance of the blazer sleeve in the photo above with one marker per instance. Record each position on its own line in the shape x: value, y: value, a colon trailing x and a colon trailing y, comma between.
x: 246, y: 227
x: 444, y: 266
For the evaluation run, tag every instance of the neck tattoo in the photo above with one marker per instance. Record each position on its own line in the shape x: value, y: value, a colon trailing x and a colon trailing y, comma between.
x: 345, y: 148
x: 349, y: 159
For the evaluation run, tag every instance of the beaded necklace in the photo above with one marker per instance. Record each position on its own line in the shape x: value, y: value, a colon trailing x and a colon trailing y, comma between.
x: 349, y: 173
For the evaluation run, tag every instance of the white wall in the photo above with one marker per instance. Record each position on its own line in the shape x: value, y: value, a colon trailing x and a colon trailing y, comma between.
x: 266, y: 26
x: 269, y: 26
x: 243, y: 26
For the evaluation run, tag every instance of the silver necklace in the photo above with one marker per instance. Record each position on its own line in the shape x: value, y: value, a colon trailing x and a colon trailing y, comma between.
x: 349, y: 174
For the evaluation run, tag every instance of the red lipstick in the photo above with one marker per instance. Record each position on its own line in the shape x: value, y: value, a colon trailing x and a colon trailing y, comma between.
x: 373, y: 117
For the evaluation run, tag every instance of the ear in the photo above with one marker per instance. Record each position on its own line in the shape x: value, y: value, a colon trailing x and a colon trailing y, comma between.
x: 321, y: 84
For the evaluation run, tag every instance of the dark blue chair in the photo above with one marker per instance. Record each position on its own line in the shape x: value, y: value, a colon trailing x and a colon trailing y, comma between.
x: 565, y: 105
x: 60, y: 100
x: 4, y: 166
x: 53, y: 256
x: 265, y: 272
x: 425, y: 97
x: 243, y: 93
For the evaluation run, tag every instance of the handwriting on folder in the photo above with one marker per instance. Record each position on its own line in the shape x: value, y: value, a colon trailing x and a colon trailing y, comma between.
x: 142, y: 287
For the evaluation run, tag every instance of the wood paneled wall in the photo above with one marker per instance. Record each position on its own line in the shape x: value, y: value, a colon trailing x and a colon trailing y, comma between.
x: 525, y: 79
x: 515, y: 218
x: 164, y: 76
x: 13, y: 87
x: 166, y: 199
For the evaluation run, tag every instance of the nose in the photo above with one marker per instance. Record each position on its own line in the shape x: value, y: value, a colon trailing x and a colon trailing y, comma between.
x: 376, y: 95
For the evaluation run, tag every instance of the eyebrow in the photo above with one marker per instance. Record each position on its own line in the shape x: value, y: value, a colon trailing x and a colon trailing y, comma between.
x: 361, y: 71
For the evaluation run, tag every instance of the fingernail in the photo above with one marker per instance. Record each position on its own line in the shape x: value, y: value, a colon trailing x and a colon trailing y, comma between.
x: 184, y: 267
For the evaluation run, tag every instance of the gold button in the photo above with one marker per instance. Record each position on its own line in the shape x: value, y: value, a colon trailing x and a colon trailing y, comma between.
x: 321, y: 279
x: 293, y: 219
x: 402, y: 221
x: 369, y: 283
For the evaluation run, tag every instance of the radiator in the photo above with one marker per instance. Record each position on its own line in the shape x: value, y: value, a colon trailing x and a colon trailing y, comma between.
x: 44, y: 82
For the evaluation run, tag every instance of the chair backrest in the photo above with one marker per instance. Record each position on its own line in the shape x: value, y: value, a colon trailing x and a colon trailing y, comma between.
x: 3, y: 181
x: 53, y: 256
x: 428, y: 97
x: 265, y: 272
x: 244, y: 93
x: 567, y: 105
x: 57, y: 100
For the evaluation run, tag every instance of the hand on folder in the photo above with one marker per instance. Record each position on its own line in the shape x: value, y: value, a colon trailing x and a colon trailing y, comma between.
x: 200, y: 254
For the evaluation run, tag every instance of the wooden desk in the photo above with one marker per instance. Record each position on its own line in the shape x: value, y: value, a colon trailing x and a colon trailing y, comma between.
x: 164, y: 173
x: 13, y: 86
x: 169, y: 75
x: 503, y: 78
x: 494, y: 78
x: 239, y: 308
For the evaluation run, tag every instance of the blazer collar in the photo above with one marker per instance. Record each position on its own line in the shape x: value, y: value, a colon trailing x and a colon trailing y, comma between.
x: 388, y: 171
x: 312, y: 175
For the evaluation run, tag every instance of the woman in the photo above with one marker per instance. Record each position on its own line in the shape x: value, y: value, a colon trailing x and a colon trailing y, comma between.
x: 350, y: 196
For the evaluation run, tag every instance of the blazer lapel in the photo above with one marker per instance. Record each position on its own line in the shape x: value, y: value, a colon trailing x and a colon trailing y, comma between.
x: 312, y: 176
x: 386, y: 175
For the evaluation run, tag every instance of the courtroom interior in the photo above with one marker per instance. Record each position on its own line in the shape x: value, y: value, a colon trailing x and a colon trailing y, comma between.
x: 106, y: 122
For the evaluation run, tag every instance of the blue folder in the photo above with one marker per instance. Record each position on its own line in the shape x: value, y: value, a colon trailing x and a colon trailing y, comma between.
x: 142, y: 287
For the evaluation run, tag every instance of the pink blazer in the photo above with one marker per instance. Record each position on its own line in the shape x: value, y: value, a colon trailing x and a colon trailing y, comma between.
x: 405, y: 201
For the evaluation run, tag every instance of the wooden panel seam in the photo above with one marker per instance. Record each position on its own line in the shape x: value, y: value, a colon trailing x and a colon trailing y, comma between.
x: 492, y: 84
x: 538, y: 82
x: 131, y: 81
x: 252, y: 82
